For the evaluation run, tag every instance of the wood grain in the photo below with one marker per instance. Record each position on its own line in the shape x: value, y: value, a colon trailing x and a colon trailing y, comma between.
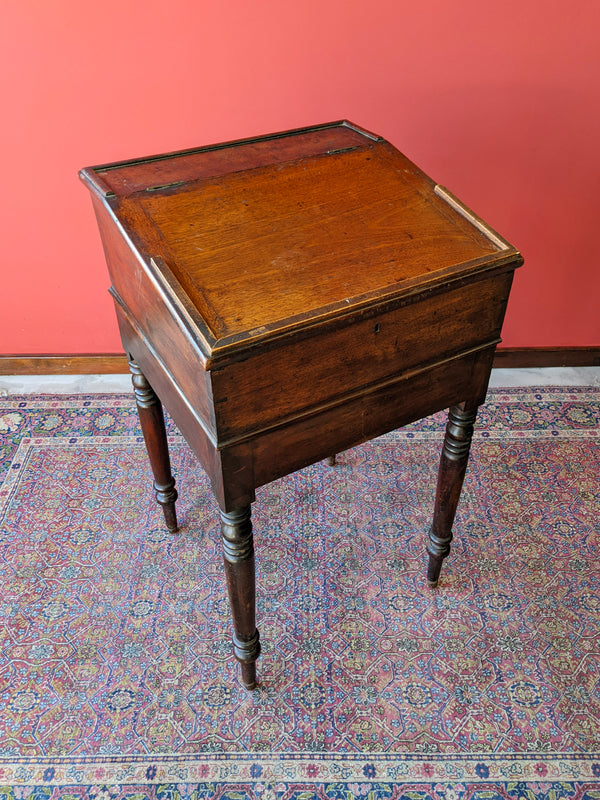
x: 58, y: 364
x: 288, y: 253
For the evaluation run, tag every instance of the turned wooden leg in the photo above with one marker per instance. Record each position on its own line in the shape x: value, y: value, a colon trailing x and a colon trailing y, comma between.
x: 453, y: 464
x: 238, y: 556
x: 330, y: 461
x: 153, y: 427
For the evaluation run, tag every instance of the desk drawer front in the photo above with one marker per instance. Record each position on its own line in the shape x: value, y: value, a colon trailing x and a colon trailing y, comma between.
x: 282, y: 450
x: 298, y: 377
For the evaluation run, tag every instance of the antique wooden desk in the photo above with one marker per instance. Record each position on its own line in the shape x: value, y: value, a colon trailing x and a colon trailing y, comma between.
x: 288, y: 297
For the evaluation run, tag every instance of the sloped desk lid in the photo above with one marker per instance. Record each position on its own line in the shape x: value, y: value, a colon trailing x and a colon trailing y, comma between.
x: 254, y: 238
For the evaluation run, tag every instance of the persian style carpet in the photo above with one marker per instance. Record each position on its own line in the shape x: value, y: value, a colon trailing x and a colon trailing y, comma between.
x: 116, y: 673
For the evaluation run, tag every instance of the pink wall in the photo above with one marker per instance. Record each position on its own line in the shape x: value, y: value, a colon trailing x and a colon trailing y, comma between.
x: 498, y: 101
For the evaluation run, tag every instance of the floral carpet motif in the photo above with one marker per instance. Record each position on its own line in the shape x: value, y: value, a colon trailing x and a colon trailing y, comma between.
x: 116, y: 673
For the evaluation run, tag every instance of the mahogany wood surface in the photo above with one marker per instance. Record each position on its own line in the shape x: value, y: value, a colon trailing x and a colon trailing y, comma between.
x: 291, y: 296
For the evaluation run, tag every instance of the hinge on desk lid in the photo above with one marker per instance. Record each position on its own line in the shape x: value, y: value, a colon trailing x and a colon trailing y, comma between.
x: 164, y: 186
x: 343, y: 150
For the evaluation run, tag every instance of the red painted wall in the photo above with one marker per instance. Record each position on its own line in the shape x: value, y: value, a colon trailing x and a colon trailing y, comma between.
x: 498, y: 101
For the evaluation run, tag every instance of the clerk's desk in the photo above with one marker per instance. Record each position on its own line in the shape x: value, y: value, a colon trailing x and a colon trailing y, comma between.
x: 290, y: 296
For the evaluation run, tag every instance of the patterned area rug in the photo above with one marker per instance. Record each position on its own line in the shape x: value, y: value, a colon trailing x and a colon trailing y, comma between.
x: 116, y: 673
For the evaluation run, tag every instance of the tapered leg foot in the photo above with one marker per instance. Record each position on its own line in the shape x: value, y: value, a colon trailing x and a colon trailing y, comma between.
x: 248, y: 670
x: 434, y: 567
x: 238, y: 556
x: 330, y: 461
x: 152, y: 422
x: 453, y: 465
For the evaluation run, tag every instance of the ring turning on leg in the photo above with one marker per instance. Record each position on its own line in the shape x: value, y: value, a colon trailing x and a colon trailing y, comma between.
x: 152, y: 422
x: 238, y: 556
x: 453, y: 465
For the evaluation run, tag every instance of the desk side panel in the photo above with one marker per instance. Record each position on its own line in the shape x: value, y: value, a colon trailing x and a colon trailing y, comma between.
x: 155, y: 320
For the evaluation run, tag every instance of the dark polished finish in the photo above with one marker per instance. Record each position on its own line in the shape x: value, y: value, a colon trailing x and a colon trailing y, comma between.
x: 152, y: 422
x: 293, y: 295
x: 453, y: 465
x: 238, y: 557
